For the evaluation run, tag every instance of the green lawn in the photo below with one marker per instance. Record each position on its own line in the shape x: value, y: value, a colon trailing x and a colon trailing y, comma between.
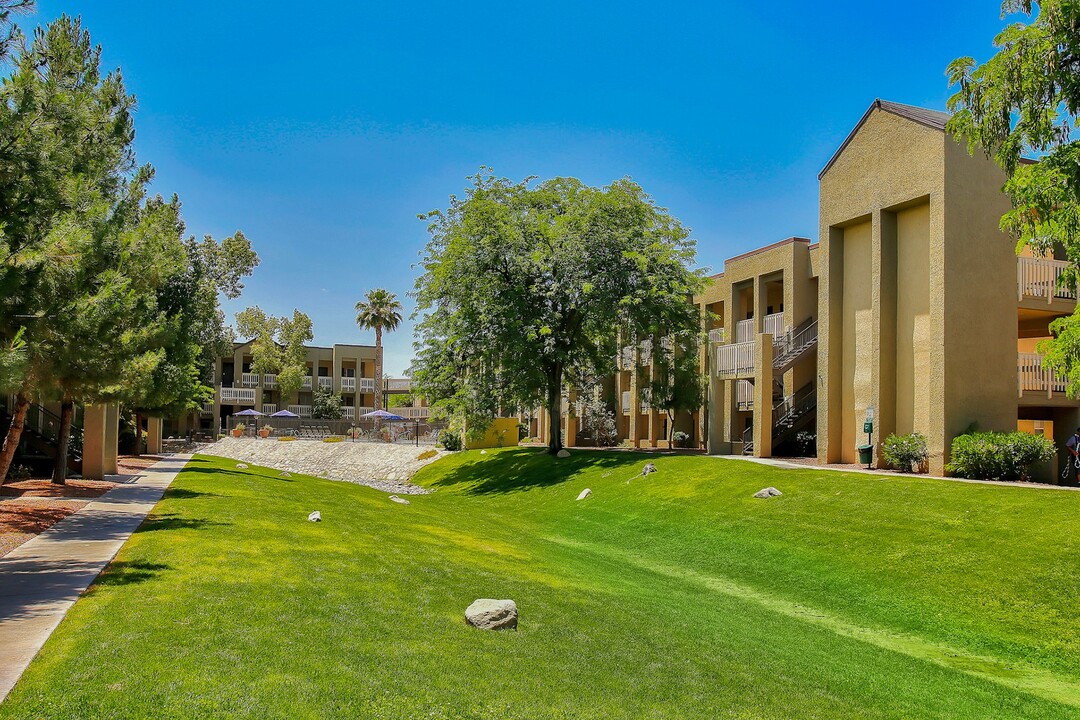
x: 677, y: 595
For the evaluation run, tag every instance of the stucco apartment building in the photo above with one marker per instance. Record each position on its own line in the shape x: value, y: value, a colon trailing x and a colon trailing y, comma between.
x: 347, y: 370
x: 913, y: 305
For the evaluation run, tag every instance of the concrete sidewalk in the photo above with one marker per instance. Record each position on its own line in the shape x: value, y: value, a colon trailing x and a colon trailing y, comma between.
x: 42, y: 578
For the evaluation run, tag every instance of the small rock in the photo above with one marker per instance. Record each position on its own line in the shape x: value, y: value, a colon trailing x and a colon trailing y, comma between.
x: 285, y: 474
x: 315, y: 516
x: 649, y: 468
x: 584, y: 494
x: 767, y: 493
x: 241, y: 466
x: 400, y: 500
x: 392, y: 476
x: 564, y: 453
x: 488, y: 614
x: 483, y: 452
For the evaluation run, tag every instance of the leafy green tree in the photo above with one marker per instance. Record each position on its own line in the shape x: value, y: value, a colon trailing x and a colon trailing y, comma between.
x: 65, y: 159
x: 529, y: 286
x: 278, y: 345
x: 676, y: 384
x: 378, y: 311
x: 1025, y: 102
x: 326, y: 405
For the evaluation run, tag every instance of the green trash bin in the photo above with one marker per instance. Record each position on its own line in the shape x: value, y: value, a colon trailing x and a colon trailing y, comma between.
x: 866, y: 454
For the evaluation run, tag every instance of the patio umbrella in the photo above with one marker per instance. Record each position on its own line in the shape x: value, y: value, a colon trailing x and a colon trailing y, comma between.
x: 250, y: 412
x: 383, y: 415
x: 284, y: 413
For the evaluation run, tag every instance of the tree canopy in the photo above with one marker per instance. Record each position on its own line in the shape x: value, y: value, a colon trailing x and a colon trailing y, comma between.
x: 277, y: 345
x: 1024, y: 102
x: 529, y: 286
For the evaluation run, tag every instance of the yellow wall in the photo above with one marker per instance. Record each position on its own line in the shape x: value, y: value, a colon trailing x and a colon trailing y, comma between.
x: 857, y: 387
x: 502, y: 432
x: 914, y: 333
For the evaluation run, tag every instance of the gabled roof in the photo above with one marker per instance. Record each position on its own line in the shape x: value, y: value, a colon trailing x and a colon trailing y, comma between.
x: 934, y: 119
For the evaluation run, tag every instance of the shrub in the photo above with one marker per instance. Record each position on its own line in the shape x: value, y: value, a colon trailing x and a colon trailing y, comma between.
x: 427, y: 454
x: 286, y: 438
x: 906, y: 453
x: 333, y: 439
x: 20, y: 473
x: 806, y: 442
x: 450, y: 440
x: 680, y: 438
x: 998, y: 455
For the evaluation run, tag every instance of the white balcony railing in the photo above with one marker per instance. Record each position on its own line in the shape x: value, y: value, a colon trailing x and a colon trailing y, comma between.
x: 348, y: 384
x: 234, y: 395
x: 626, y: 402
x: 399, y: 384
x: 626, y: 358
x: 270, y: 381
x: 208, y: 409
x: 744, y: 331
x: 1031, y: 376
x: 744, y: 394
x: 326, y: 383
x: 348, y: 412
x: 307, y: 383
x: 735, y: 359
x: 269, y: 408
x: 301, y: 410
x: 250, y: 380
x: 774, y: 324
x: 1039, y: 277
x: 412, y: 413
x: 716, y: 335
x: 645, y: 350
x: 366, y: 384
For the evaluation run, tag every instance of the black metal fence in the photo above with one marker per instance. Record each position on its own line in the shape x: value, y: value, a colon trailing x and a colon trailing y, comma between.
x: 404, y: 432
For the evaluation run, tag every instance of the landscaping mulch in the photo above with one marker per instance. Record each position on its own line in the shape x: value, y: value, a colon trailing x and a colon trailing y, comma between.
x: 132, y: 465
x: 43, y: 487
x: 21, y: 520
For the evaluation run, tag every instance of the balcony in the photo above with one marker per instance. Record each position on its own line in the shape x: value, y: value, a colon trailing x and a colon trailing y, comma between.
x: 1040, y: 278
x: 412, y: 413
x: 208, y: 408
x: 249, y: 380
x: 348, y: 384
x: 626, y: 402
x: 626, y: 358
x: 366, y: 384
x: 735, y: 360
x: 307, y: 383
x: 744, y: 331
x: 270, y: 382
x: 348, y: 412
x: 1032, y: 377
x: 744, y: 394
x: 237, y: 396
x: 326, y: 383
x: 269, y: 408
x: 716, y: 335
x: 301, y: 410
x: 774, y: 324
x: 398, y: 384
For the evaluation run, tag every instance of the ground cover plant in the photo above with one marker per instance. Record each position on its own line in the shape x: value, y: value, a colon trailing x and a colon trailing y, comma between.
x: 671, y: 595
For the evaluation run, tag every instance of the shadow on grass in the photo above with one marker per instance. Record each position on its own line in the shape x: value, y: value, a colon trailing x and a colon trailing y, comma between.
x: 172, y: 521
x: 124, y: 572
x: 175, y: 493
x: 261, y: 474
x: 526, y: 468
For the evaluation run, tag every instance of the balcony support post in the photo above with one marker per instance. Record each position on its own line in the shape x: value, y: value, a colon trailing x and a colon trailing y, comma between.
x: 763, y: 382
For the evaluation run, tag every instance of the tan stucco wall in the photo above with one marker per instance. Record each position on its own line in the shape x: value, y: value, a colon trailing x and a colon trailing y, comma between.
x: 914, y: 330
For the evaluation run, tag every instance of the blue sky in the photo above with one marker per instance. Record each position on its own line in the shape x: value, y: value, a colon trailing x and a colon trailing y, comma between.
x: 322, y: 130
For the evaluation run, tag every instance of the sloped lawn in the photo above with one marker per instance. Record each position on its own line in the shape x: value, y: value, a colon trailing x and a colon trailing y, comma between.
x: 676, y: 595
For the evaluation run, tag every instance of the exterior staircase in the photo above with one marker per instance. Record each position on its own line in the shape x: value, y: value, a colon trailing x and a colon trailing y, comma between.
x: 40, y: 439
x: 790, y: 415
x: 793, y: 346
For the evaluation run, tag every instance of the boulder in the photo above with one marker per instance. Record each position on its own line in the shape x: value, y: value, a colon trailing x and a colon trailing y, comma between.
x: 315, y: 516
x: 649, y: 468
x: 399, y: 500
x: 584, y: 494
x: 285, y: 474
x: 483, y: 452
x: 241, y: 466
x: 564, y: 453
x: 488, y: 614
x: 767, y: 493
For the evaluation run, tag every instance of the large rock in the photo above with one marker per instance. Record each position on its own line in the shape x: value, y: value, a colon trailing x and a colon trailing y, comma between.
x: 768, y: 493
x: 564, y: 453
x: 584, y: 494
x: 488, y: 614
x: 399, y: 500
x: 648, y: 469
x: 315, y: 516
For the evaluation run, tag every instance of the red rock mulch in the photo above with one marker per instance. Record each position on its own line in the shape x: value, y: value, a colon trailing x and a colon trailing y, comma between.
x: 38, y: 487
x: 29, y: 507
x: 131, y: 465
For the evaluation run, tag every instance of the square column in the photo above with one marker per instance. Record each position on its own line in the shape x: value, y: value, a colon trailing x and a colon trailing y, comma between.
x: 153, y: 435
x: 112, y: 432
x: 93, y: 461
x: 763, y: 380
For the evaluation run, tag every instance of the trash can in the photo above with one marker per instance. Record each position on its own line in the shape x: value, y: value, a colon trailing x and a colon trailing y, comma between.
x: 866, y: 454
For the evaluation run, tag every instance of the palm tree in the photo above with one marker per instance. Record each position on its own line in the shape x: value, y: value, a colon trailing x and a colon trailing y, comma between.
x: 379, y: 310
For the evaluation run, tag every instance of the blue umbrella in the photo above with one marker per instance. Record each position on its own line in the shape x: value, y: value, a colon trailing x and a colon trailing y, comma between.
x: 250, y: 412
x: 382, y: 415
x: 284, y: 413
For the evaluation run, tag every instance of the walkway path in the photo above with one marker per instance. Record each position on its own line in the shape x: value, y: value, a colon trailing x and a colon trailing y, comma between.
x: 42, y: 578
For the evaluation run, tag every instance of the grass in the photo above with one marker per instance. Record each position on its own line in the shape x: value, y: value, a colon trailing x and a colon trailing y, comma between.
x: 676, y: 595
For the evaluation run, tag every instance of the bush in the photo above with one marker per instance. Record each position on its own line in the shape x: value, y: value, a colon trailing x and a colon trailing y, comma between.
x: 20, y: 473
x: 906, y: 453
x: 427, y: 454
x: 806, y: 442
x: 333, y: 439
x: 680, y: 438
x: 286, y: 438
x: 998, y: 455
x: 450, y: 440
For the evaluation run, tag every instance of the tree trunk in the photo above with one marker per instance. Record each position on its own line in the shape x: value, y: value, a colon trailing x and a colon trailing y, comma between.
x: 138, y: 435
x: 14, y: 434
x: 555, y: 443
x: 378, y: 369
x: 63, y: 440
